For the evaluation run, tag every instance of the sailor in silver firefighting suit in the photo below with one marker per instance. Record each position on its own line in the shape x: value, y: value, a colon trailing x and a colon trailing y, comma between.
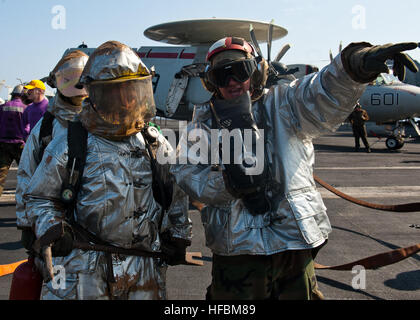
x: 66, y: 105
x: 291, y: 116
x: 115, y: 203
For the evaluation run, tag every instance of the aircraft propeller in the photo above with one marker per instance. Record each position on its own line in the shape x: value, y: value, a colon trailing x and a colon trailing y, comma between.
x: 276, y: 70
x: 269, y: 40
x: 340, y: 47
x: 282, y: 52
x: 254, y: 40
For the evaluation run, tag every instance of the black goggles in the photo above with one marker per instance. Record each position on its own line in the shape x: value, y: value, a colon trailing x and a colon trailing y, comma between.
x: 240, y: 71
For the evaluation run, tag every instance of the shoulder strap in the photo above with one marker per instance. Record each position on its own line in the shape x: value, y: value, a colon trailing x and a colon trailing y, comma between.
x: 45, y: 134
x: 162, y: 191
x: 77, y: 137
x: 77, y: 143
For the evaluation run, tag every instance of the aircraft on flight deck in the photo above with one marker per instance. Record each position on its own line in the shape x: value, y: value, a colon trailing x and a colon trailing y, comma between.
x: 177, y: 85
x: 177, y: 69
x: 389, y: 104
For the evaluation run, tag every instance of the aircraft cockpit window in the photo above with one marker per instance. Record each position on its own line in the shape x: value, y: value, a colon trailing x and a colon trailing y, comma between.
x: 379, y: 81
x: 386, y: 79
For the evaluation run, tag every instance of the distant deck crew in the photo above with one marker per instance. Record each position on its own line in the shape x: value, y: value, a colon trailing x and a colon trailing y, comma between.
x: 357, y: 119
x: 12, y: 133
x: 35, y: 111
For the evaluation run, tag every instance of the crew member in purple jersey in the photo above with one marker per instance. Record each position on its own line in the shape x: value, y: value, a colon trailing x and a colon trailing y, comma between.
x: 35, y: 111
x: 12, y: 133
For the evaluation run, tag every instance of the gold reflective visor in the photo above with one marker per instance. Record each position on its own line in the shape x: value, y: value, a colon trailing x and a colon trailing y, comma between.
x: 123, y: 101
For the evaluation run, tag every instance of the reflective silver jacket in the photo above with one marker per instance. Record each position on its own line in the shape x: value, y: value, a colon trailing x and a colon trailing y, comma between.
x: 291, y: 115
x: 116, y: 203
x: 28, y: 164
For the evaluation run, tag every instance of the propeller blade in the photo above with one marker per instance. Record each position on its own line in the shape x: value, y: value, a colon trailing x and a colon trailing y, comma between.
x: 254, y: 40
x: 331, y: 56
x: 282, y: 52
x: 270, y: 39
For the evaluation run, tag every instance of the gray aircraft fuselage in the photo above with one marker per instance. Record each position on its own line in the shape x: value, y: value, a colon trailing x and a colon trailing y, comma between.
x: 391, y: 102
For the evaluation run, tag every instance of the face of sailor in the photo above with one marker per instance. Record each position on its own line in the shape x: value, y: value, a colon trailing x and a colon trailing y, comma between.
x: 234, y: 89
x: 35, y: 95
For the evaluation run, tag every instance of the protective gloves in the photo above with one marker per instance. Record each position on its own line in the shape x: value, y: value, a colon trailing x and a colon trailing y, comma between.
x: 27, y: 238
x: 174, y: 249
x: 57, y: 241
x: 364, y: 62
x: 59, y: 237
x: 64, y: 245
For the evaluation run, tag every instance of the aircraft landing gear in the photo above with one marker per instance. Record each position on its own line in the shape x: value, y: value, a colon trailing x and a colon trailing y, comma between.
x: 396, y: 140
x: 394, y: 143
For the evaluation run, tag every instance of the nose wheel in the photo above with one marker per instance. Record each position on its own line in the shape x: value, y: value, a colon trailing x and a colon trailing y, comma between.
x: 393, y: 143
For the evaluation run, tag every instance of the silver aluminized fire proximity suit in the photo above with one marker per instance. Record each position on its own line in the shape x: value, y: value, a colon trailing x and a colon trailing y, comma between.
x: 291, y: 116
x: 115, y: 201
x: 262, y: 249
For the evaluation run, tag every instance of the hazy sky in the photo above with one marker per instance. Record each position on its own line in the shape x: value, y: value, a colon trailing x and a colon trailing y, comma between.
x: 33, y: 39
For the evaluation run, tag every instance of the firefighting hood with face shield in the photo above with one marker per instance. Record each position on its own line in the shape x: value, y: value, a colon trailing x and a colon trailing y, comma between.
x: 64, y: 77
x: 120, y: 92
x: 66, y: 74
